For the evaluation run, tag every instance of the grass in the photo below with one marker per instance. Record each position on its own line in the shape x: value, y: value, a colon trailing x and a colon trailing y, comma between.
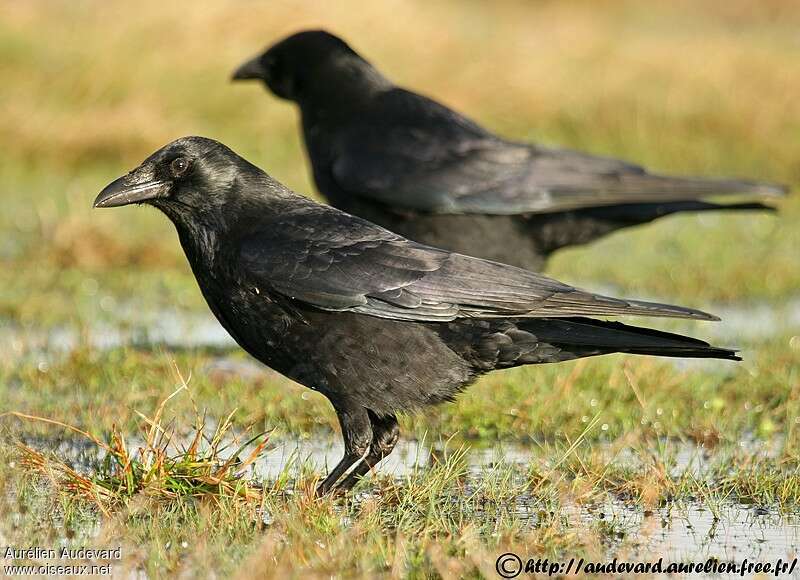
x: 196, y: 471
x: 602, y: 80
x: 615, y: 451
x: 445, y: 517
x: 610, y: 445
x: 635, y: 394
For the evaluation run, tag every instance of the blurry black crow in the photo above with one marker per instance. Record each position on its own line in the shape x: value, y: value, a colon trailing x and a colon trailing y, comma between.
x: 414, y: 166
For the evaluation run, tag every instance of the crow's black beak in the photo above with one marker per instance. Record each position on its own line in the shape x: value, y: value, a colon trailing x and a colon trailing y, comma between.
x: 122, y: 192
x: 252, y: 69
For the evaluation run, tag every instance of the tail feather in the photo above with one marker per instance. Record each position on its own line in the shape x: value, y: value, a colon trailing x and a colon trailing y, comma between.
x: 593, y: 190
x: 638, y: 213
x: 580, y: 337
x: 678, y: 188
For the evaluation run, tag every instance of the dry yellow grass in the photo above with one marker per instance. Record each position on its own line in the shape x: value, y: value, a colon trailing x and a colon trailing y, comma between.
x: 676, y: 84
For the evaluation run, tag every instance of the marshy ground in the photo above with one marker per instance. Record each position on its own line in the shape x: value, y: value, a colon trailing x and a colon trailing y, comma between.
x: 628, y: 457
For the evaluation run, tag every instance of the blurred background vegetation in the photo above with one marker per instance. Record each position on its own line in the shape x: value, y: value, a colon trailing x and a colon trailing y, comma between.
x: 91, y: 88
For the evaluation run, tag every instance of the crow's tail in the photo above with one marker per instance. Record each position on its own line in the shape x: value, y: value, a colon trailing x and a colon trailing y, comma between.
x: 638, y: 213
x: 556, y: 339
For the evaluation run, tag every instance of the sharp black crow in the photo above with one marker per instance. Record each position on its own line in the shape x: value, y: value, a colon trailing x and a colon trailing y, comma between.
x: 420, y: 169
x: 375, y: 322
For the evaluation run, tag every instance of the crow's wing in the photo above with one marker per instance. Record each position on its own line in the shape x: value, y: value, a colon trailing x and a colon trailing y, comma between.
x: 334, y: 261
x: 410, y: 152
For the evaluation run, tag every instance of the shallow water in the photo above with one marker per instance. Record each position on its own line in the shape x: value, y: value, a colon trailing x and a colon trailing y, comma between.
x: 741, y: 323
x: 682, y: 532
x: 687, y: 530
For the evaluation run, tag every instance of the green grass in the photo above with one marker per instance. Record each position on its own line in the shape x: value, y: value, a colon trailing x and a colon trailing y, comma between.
x: 698, y: 88
x: 634, y: 394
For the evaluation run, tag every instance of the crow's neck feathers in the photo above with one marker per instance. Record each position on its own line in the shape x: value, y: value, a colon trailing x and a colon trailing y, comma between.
x: 344, y: 85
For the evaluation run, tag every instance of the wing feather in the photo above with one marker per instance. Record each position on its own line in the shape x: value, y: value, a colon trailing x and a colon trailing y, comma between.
x: 411, y: 152
x: 334, y: 261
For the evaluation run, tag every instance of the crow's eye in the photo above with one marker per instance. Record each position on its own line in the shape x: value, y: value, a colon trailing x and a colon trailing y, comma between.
x: 179, y: 166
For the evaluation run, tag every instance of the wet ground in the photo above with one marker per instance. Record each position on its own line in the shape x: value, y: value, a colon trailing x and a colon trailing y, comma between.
x: 685, y: 530
x: 131, y: 325
x: 681, y: 531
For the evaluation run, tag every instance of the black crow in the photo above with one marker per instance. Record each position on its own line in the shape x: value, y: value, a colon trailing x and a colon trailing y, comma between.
x: 375, y: 322
x: 422, y: 170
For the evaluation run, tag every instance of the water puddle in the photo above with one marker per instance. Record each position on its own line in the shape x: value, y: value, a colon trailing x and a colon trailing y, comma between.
x: 684, y: 531
x: 130, y: 325
x: 174, y: 329
x: 755, y: 322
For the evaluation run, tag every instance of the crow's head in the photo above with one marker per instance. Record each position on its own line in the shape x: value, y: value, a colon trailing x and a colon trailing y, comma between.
x: 308, y: 64
x: 192, y: 179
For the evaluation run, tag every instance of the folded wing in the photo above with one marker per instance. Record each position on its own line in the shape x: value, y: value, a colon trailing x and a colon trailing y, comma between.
x: 334, y: 261
x: 419, y: 155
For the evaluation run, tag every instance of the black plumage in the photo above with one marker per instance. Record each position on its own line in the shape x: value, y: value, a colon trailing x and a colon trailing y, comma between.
x: 420, y: 169
x: 377, y: 323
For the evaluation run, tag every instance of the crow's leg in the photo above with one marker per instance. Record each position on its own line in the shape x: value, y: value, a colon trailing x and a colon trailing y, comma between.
x: 357, y: 434
x: 385, y: 433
